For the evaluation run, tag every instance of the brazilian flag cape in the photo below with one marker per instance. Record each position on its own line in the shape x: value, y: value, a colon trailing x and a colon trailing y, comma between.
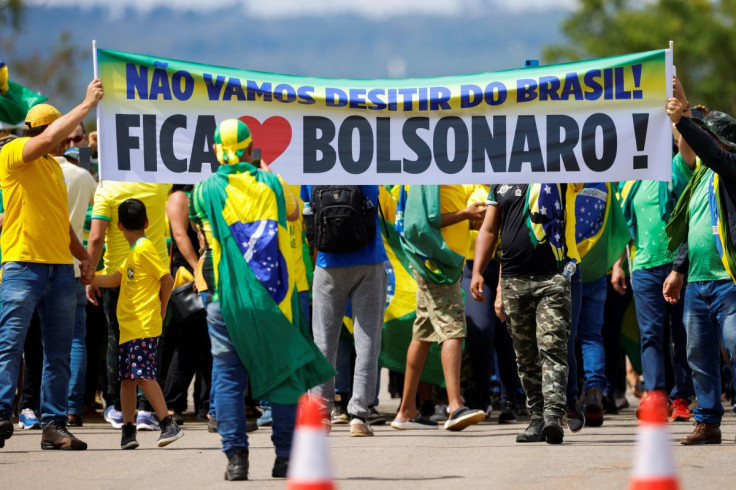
x: 677, y: 227
x: 422, y: 239
x: 601, y: 231
x: 257, y: 290
x: 549, y: 221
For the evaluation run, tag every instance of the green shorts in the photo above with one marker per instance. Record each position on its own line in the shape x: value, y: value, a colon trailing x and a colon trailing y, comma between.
x: 440, y: 311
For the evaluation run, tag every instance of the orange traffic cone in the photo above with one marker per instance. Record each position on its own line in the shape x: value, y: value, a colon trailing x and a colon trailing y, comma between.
x: 654, y: 467
x: 309, y: 465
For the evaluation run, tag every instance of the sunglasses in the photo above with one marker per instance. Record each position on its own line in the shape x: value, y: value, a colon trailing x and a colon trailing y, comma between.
x: 74, y: 139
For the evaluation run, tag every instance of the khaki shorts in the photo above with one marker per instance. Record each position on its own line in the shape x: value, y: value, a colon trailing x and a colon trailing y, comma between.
x: 440, y: 311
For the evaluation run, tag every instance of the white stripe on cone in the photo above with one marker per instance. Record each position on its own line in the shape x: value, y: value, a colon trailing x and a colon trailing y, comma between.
x: 310, y: 461
x: 653, y: 455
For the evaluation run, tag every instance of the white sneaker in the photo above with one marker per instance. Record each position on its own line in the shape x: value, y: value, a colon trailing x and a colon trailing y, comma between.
x: 146, y: 421
x: 27, y: 420
x: 360, y: 428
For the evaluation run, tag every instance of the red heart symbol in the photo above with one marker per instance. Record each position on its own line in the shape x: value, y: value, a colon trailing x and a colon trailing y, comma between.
x: 272, y: 137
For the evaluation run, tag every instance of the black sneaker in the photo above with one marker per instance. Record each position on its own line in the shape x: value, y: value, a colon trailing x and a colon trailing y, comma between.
x: 128, y: 440
x: 249, y: 427
x: 594, y: 407
x: 6, y: 428
x: 533, y: 432
x: 170, y: 431
x: 552, y: 431
x: 237, y: 466
x: 508, y: 413
x: 212, y: 425
x: 56, y: 436
x: 375, y: 418
x: 280, y: 467
x: 74, y: 420
x: 609, y: 405
x: 575, y: 417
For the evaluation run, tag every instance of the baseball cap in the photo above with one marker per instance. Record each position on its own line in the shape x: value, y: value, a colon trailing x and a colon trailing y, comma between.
x: 41, y: 115
x: 72, y: 153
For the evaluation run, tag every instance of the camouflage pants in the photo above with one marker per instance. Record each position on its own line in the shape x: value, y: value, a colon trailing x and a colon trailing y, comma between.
x: 538, y: 310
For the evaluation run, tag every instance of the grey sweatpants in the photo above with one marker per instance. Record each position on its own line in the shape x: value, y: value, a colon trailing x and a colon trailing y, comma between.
x: 365, y: 285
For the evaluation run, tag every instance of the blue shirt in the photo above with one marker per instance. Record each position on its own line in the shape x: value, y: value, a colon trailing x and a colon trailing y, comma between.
x: 373, y: 253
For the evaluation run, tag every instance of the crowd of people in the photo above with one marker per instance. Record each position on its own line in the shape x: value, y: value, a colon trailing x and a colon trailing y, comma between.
x: 524, y: 287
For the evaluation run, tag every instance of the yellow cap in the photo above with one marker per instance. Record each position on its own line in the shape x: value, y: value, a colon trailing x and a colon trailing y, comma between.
x: 41, y: 115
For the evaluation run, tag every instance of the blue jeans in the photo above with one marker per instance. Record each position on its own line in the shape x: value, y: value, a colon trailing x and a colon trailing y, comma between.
x: 50, y: 288
x: 651, y: 313
x: 576, y: 295
x: 231, y: 382
x: 710, y: 317
x: 77, y: 382
x: 590, y: 326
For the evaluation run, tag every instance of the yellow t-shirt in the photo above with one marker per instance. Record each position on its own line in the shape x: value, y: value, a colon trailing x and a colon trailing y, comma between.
x: 139, y: 304
x: 108, y: 197
x: 295, y: 239
x: 36, y: 227
x: 455, y: 198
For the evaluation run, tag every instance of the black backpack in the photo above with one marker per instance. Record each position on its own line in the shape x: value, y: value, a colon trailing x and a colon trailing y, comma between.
x: 344, y: 219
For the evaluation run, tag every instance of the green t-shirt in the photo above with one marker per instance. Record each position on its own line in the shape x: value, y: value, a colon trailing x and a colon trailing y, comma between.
x: 705, y: 263
x: 651, y: 240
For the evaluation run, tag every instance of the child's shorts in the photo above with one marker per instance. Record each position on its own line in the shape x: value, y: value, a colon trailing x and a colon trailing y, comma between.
x: 137, y: 359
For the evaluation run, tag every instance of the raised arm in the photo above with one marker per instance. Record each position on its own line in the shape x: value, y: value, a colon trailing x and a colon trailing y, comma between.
x: 60, y: 129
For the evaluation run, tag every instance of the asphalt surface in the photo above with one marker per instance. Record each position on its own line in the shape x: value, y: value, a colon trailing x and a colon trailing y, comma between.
x: 482, y: 456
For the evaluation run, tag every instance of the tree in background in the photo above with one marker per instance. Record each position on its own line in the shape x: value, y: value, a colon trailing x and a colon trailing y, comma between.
x: 52, y: 72
x: 703, y: 31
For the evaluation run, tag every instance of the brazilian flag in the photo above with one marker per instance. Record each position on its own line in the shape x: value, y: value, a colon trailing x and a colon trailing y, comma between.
x: 401, y: 302
x: 256, y: 284
x: 601, y: 231
x: 721, y: 230
x: 15, y: 100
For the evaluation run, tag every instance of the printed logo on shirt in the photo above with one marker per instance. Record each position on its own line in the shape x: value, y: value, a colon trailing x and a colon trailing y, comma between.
x: 504, y: 189
x: 131, y: 273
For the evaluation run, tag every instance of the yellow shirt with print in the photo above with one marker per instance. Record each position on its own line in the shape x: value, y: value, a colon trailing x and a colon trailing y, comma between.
x: 36, y: 227
x: 139, y: 304
x: 109, y: 196
x: 454, y: 198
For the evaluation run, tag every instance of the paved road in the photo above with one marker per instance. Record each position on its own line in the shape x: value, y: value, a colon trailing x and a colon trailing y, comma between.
x: 483, y: 456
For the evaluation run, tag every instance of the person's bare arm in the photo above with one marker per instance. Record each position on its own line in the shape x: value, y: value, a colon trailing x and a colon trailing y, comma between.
x: 95, y: 243
x: 618, y: 276
x: 177, y: 209
x: 167, y: 285
x: 86, y: 270
x: 475, y: 212
x: 107, y: 280
x: 484, y: 246
x: 60, y: 129
x: 686, y: 152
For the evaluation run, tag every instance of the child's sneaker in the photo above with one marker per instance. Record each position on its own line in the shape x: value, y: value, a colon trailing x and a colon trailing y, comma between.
x: 146, y: 421
x: 128, y: 440
x: 170, y: 432
x: 28, y: 420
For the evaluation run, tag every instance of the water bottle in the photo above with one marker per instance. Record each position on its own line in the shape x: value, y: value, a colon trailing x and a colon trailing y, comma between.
x: 308, y: 215
x: 569, y: 269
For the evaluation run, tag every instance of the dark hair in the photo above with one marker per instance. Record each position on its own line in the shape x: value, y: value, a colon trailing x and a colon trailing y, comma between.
x: 182, y: 187
x: 132, y: 214
x: 31, y: 132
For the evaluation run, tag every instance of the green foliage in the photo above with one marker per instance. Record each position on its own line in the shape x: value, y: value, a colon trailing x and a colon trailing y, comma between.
x: 705, y: 41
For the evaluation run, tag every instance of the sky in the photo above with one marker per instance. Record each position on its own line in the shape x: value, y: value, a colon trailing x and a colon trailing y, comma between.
x: 334, y: 38
x: 376, y: 9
